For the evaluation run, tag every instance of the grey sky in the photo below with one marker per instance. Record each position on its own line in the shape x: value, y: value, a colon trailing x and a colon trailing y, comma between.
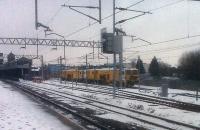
x: 17, y: 20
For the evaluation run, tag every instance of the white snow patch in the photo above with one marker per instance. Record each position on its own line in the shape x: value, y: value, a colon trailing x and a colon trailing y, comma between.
x: 17, y: 112
x: 192, y: 118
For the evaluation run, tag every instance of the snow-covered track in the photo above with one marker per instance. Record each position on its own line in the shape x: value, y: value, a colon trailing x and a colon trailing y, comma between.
x: 138, y: 96
x: 57, y: 105
x: 147, y: 119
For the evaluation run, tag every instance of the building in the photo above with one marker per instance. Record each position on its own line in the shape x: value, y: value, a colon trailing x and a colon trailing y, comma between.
x: 54, y: 68
x: 24, y: 61
x: 1, y: 58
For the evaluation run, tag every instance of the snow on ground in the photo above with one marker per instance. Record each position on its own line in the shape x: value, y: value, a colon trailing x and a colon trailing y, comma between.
x: 18, y: 112
x: 176, y: 94
x: 192, y: 118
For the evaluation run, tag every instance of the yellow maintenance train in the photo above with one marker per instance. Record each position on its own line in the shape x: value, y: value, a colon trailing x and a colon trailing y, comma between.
x: 101, y: 76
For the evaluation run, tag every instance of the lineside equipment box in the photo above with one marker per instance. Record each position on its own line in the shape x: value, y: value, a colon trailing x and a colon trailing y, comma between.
x: 111, y: 44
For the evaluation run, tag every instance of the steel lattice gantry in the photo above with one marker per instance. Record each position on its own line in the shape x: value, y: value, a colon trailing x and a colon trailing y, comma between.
x: 49, y: 42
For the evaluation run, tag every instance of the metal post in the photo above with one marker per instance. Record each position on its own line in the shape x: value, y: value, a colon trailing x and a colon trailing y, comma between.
x: 107, y: 62
x: 98, y: 53
x: 86, y: 66
x: 139, y: 73
x: 36, y: 15
x: 100, y: 11
x: 64, y: 52
x: 93, y: 50
x: 42, y: 69
x: 65, y: 55
x: 197, y: 94
x: 121, y: 69
x: 121, y: 66
x: 60, y: 69
x: 37, y: 48
x: 114, y: 55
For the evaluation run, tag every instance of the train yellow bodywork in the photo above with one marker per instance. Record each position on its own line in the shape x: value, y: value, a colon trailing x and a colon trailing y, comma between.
x: 102, y: 76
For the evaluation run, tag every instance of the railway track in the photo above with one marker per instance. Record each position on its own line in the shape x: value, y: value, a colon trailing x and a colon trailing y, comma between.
x: 58, y: 105
x: 137, y: 96
x: 143, y: 118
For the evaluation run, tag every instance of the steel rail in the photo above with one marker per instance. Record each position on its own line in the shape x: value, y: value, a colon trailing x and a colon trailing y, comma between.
x: 99, y: 107
x: 46, y: 99
x: 150, y: 99
x: 175, y: 122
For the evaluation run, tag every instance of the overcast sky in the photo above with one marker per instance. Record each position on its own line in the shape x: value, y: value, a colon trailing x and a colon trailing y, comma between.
x: 175, y: 21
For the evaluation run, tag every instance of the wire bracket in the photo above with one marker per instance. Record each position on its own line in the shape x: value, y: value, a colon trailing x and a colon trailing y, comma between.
x: 131, y: 10
x: 38, y: 24
x: 72, y: 7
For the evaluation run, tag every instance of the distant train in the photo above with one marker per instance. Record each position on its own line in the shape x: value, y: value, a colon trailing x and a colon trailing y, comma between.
x: 101, y: 76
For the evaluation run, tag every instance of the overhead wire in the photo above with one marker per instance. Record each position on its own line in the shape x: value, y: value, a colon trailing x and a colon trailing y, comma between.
x: 188, y: 18
x: 166, y: 41
x: 51, y: 20
x: 94, y: 23
x: 170, y: 48
x: 54, y: 16
x: 171, y: 40
x: 164, y: 50
x: 167, y: 5
x: 176, y: 39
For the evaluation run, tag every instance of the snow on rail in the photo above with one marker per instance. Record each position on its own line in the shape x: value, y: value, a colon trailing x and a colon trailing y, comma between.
x: 158, y: 110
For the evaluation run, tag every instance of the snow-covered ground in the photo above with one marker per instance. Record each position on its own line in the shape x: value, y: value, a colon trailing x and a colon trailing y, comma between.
x: 18, y: 112
x: 188, y: 117
x: 176, y: 94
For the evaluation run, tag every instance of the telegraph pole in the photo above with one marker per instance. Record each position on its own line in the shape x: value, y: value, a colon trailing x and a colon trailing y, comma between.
x: 139, y: 72
x: 86, y: 67
x: 36, y: 15
x: 65, y: 54
x: 114, y: 55
x: 60, y: 68
x: 42, y: 67
x: 121, y: 67
x: 37, y: 23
